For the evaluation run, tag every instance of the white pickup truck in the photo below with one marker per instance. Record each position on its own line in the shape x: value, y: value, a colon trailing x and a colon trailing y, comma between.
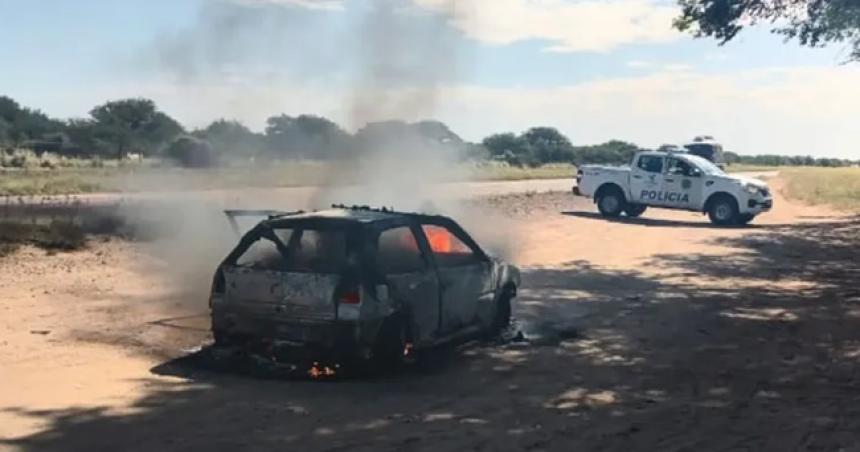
x: 673, y: 180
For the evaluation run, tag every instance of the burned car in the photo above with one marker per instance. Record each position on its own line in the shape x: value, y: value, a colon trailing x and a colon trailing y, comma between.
x: 359, y: 283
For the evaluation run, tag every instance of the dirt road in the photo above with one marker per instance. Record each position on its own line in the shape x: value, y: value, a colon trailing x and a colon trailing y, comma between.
x: 660, y: 333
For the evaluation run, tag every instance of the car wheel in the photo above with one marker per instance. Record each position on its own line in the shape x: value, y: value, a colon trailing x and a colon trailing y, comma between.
x: 611, y: 203
x: 635, y: 210
x: 723, y: 211
x: 225, y: 339
x: 745, y: 219
x: 502, y: 317
x: 389, y: 351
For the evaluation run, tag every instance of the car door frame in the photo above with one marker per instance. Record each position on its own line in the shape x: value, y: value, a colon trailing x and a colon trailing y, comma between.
x: 486, y: 292
x: 645, y: 186
x: 429, y: 271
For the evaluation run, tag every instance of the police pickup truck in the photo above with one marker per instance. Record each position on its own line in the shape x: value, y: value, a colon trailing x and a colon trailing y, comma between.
x: 673, y: 180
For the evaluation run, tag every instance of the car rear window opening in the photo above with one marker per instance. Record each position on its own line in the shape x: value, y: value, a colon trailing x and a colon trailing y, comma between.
x: 299, y: 250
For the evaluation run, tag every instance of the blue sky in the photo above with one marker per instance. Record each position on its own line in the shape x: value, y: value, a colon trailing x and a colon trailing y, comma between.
x: 596, y: 69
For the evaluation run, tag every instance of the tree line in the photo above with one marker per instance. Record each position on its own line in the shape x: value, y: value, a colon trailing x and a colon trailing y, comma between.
x: 136, y: 127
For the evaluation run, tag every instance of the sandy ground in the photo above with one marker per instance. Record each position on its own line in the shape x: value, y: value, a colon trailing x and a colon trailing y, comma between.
x: 664, y: 333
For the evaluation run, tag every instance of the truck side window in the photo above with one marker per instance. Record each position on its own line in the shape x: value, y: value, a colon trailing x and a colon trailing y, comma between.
x: 679, y: 167
x: 650, y: 163
x: 397, y: 252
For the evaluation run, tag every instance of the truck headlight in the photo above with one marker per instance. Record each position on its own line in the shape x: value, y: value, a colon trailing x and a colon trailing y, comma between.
x: 751, y: 189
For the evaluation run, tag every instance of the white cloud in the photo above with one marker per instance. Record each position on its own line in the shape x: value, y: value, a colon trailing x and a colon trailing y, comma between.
x: 331, y: 5
x: 788, y: 111
x: 639, y: 63
x: 569, y: 26
x: 677, y: 67
x: 800, y: 111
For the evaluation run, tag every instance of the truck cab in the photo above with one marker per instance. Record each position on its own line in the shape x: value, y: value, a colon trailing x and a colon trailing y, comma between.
x: 674, y: 180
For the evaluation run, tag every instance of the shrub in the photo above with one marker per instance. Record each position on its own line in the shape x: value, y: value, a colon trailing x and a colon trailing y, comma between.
x: 58, y: 235
x: 191, y: 152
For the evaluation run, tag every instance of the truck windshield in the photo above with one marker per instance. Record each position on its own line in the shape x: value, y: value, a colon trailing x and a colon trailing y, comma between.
x: 705, y: 165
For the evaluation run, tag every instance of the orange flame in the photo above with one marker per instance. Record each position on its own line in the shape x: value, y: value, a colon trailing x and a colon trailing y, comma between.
x: 443, y: 242
x: 318, y: 371
x: 440, y: 240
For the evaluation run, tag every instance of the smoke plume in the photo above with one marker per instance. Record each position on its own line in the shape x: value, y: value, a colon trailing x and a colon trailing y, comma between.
x: 398, y: 58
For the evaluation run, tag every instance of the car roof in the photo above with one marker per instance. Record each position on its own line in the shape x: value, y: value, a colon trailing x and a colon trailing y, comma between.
x: 354, y: 214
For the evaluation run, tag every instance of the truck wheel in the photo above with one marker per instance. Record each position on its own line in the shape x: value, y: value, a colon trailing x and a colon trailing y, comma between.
x: 611, y: 203
x: 745, y: 219
x: 635, y: 210
x: 724, y: 211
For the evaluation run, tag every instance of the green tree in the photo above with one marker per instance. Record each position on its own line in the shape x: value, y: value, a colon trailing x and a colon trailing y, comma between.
x: 133, y: 125
x: 191, y: 152
x: 84, y: 139
x: 5, y: 132
x: 232, y: 139
x: 305, y: 136
x: 9, y: 109
x: 438, y: 132
x: 611, y: 152
x: 731, y: 158
x: 508, y: 147
x: 548, y: 145
x: 19, y: 125
x: 813, y: 23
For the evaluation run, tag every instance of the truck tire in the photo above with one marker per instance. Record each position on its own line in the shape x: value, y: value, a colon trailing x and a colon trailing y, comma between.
x: 635, y: 210
x: 723, y: 211
x: 611, y: 202
x: 745, y: 219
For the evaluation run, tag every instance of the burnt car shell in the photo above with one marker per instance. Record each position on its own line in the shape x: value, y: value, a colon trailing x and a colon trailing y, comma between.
x: 334, y: 280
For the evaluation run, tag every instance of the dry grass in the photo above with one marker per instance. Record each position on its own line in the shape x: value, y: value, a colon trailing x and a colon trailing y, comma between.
x: 501, y: 172
x: 285, y: 174
x: 839, y: 187
x: 741, y: 168
x: 53, y: 182
x: 54, y: 236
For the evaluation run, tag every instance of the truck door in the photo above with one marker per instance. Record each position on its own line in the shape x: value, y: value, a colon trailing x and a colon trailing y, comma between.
x: 682, y: 184
x: 646, y: 179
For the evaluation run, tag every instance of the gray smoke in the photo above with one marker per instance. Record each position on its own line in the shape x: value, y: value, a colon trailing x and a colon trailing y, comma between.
x: 399, y: 59
x: 237, y: 38
x: 406, y: 56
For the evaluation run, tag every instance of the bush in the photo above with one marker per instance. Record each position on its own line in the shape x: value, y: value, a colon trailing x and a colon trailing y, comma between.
x: 191, y: 152
x: 56, y: 236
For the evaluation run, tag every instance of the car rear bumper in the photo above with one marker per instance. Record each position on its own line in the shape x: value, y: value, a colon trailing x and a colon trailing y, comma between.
x: 302, y: 338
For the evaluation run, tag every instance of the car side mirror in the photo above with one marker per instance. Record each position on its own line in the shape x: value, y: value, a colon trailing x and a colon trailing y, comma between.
x: 695, y: 172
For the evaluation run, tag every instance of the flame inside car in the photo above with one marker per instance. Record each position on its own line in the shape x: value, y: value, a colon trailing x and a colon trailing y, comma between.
x: 441, y: 241
x: 319, y: 371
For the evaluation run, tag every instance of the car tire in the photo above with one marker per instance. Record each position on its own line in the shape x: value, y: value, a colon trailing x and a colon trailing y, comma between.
x: 388, y: 351
x: 502, y: 315
x: 745, y: 219
x: 635, y: 210
x: 723, y: 211
x: 611, y: 203
x: 221, y: 339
